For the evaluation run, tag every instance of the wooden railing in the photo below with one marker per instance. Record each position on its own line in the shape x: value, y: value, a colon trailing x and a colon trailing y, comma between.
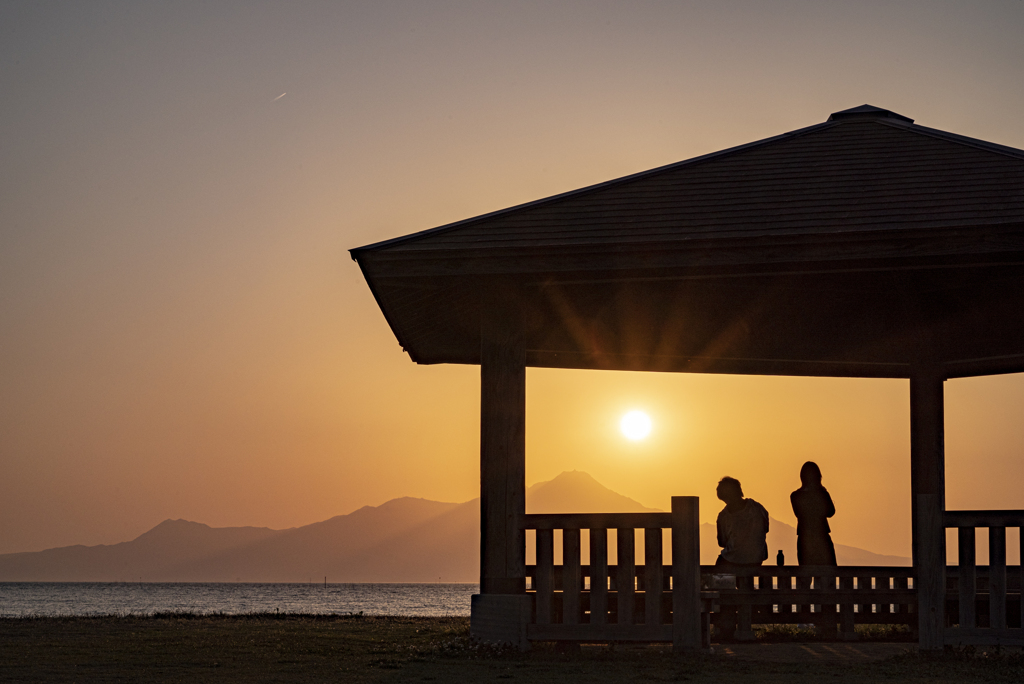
x: 986, y: 600
x: 832, y: 598
x: 625, y: 601
x: 602, y: 601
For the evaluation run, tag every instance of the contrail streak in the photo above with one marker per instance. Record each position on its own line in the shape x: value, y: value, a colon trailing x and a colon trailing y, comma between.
x: 279, y: 97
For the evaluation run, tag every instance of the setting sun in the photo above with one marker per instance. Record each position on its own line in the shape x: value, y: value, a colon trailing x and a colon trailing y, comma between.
x: 635, y: 425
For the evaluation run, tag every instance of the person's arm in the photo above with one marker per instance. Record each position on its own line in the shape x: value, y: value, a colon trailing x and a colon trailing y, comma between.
x: 831, y: 507
x: 766, y: 518
x: 721, y: 532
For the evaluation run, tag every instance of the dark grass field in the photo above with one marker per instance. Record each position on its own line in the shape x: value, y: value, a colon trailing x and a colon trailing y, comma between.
x: 291, y: 648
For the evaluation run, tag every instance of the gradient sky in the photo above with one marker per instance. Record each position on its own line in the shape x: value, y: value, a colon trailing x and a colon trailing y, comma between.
x: 183, y: 334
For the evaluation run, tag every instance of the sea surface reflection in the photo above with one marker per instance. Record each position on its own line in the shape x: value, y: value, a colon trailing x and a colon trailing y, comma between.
x: 24, y: 599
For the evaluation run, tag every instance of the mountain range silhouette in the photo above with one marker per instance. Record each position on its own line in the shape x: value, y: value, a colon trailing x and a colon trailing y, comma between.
x: 402, y: 540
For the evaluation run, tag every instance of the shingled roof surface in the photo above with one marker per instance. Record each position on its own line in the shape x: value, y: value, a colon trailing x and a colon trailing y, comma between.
x: 866, y: 169
x: 837, y: 249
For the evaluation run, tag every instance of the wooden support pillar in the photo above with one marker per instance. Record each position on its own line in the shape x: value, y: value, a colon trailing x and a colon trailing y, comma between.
x: 927, y: 483
x: 686, y: 603
x: 502, y: 454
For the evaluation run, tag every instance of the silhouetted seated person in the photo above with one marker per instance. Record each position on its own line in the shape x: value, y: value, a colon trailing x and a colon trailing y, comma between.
x: 742, y: 529
x: 813, y: 506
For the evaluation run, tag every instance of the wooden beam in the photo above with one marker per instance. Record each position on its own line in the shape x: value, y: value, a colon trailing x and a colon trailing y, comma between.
x: 599, y: 633
x: 984, y: 518
x: 590, y: 521
x: 927, y: 483
x: 956, y: 636
x: 894, y: 249
x: 502, y: 452
x: 742, y: 597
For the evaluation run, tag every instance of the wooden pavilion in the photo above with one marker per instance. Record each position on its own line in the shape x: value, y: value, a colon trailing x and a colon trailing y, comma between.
x: 865, y: 246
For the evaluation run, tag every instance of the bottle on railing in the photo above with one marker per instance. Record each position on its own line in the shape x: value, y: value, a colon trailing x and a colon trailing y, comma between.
x: 780, y: 559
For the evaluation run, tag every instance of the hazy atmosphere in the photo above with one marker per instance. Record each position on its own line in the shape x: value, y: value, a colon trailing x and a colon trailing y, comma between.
x: 184, y: 334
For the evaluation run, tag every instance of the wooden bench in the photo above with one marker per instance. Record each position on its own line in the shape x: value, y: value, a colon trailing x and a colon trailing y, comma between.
x: 834, y: 599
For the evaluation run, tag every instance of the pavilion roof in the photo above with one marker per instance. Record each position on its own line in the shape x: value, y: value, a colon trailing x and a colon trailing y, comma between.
x: 866, y: 192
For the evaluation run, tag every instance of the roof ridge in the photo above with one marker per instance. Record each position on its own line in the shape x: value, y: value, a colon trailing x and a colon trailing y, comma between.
x: 964, y: 140
x: 412, y: 237
x: 866, y: 111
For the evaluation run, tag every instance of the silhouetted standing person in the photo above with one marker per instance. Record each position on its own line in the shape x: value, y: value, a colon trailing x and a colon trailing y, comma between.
x: 813, y: 507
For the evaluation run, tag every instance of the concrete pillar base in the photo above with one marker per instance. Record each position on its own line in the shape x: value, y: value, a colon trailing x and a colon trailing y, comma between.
x: 501, y: 619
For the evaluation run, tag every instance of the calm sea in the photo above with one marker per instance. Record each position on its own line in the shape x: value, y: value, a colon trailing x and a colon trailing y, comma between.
x: 21, y: 599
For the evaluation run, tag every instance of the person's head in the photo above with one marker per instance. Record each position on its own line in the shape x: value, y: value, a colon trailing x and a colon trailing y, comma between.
x: 810, y: 475
x: 729, y: 490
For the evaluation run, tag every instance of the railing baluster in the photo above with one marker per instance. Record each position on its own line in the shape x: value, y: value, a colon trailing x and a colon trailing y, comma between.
x: 968, y: 577
x: 868, y: 607
x: 997, y: 577
x: 1020, y: 572
x: 904, y: 608
x: 804, y: 584
x: 571, y: 579
x: 829, y: 619
x: 653, y: 560
x: 787, y: 583
x: 764, y: 589
x: 744, y: 628
x: 545, y: 577
x: 848, y: 631
x: 626, y: 574
x: 599, y: 576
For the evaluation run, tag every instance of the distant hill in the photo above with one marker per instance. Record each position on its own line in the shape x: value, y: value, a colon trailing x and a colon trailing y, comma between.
x: 403, y: 540
x: 578, y: 492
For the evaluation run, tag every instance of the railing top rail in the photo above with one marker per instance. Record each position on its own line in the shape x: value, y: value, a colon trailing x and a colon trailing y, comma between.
x: 594, y: 521
x: 785, y: 570
x: 984, y: 519
x: 812, y: 571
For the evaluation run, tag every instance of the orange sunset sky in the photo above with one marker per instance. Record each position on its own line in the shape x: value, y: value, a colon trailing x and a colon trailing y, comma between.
x: 184, y: 335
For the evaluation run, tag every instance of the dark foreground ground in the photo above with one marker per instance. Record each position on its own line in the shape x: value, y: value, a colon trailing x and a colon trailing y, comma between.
x: 268, y: 648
